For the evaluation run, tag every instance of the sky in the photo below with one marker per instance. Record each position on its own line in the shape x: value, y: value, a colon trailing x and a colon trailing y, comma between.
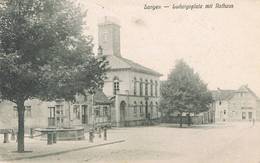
x: 222, y: 45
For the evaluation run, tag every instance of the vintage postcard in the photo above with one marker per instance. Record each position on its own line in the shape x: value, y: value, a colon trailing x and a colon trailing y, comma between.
x: 130, y: 81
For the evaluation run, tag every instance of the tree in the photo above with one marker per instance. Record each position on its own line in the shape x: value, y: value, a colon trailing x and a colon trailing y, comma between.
x: 184, y: 91
x: 44, y: 54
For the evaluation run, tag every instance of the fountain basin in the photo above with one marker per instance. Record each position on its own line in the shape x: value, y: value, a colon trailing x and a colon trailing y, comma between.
x: 75, y: 133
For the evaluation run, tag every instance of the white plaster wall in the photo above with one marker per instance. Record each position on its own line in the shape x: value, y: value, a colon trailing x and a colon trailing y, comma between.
x: 219, y: 112
x: 123, y: 82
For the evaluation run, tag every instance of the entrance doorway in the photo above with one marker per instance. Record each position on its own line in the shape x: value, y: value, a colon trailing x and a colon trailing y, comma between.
x: 122, y: 111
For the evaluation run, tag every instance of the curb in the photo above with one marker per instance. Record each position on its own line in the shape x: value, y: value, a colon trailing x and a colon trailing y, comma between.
x: 62, y: 152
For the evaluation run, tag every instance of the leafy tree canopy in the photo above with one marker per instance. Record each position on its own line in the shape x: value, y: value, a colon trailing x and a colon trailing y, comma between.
x: 44, y: 54
x: 184, y: 91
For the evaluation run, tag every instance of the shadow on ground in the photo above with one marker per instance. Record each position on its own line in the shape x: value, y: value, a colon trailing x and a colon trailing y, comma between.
x: 202, y: 126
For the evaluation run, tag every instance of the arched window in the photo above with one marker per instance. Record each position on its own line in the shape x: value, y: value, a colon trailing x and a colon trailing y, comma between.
x: 135, y: 82
x: 151, y: 89
x: 115, y: 85
x: 141, y: 87
x: 156, y: 88
x: 146, y: 88
x: 135, y: 109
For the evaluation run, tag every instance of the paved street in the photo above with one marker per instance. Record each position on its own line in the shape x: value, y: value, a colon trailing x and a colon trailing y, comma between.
x: 220, y: 143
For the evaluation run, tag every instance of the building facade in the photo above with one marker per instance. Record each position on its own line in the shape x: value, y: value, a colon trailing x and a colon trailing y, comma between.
x: 133, y: 88
x: 86, y: 111
x: 36, y: 114
x: 236, y: 105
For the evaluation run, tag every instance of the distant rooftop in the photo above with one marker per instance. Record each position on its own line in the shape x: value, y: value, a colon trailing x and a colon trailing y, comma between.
x: 221, y: 94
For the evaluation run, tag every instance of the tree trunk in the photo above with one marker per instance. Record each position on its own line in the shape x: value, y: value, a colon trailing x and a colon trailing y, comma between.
x: 20, y: 137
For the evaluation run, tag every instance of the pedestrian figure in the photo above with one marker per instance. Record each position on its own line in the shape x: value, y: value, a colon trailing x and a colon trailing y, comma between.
x: 91, y: 135
x: 105, y: 133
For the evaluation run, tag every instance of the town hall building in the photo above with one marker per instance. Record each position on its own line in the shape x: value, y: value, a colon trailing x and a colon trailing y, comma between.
x: 133, y: 88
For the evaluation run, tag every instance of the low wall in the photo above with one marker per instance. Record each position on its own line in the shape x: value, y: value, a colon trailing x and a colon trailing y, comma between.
x: 135, y: 123
x: 176, y: 119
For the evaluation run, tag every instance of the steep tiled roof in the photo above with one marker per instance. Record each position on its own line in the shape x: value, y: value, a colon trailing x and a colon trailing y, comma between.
x: 223, y: 94
x: 228, y: 94
x: 247, y: 89
x: 101, y: 98
x: 117, y: 63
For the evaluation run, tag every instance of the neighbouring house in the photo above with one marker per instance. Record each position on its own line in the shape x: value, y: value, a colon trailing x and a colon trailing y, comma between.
x: 91, y: 110
x: 85, y: 112
x: 236, y: 105
x: 133, y: 88
x: 36, y: 114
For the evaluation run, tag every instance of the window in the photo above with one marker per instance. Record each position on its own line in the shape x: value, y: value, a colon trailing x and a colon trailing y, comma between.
x: 135, y: 109
x: 135, y: 86
x: 156, y: 88
x: 224, y: 112
x: 146, y: 88
x: 141, y: 87
x: 243, y: 115
x: 97, y: 112
x: 105, y: 110
x: 151, y: 88
x: 52, y: 112
x: 116, y: 85
x: 59, y: 109
x: 101, y: 111
x: 28, y: 111
x: 76, y: 111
